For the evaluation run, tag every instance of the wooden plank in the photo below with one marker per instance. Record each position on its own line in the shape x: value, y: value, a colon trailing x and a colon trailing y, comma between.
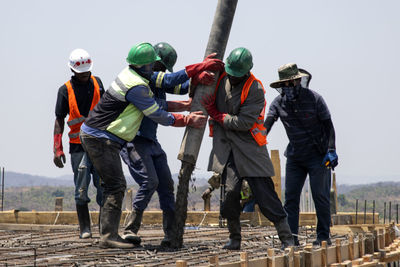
x: 244, y: 259
x: 271, y: 257
x: 308, y: 256
x: 230, y: 264
x: 214, y: 261
x: 276, y: 162
x: 34, y: 227
x: 331, y: 255
x: 351, y: 248
x: 181, y: 263
x: 262, y: 262
x: 298, y: 259
x: 344, y: 251
x: 338, y: 250
x: 289, y: 257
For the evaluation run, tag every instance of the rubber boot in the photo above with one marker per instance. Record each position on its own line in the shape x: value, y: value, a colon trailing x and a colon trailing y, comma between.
x: 109, y: 222
x: 284, y: 233
x: 234, y: 235
x: 169, y: 229
x: 133, y: 224
x: 84, y: 221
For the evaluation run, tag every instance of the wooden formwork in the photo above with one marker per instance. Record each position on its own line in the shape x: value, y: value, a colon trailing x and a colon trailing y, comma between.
x: 378, y: 248
x: 155, y: 217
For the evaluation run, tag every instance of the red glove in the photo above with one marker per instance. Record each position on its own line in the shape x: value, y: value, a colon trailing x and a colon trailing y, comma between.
x: 208, y: 103
x: 59, y: 156
x: 209, y: 63
x: 179, y: 106
x: 195, y: 119
x: 204, y: 77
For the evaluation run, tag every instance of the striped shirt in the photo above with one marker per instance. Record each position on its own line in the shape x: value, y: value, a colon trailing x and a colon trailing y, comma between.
x: 302, y: 120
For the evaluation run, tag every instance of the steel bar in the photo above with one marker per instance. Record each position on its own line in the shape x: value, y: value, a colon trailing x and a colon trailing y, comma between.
x: 365, y: 211
x: 373, y: 211
x: 2, y: 191
x: 356, y: 211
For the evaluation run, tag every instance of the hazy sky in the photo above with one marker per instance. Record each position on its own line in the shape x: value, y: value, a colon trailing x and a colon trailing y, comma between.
x: 350, y: 47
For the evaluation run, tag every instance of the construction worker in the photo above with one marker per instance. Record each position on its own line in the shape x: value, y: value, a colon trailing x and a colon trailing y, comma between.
x: 311, y: 149
x: 115, y: 120
x: 144, y: 156
x: 239, y: 146
x: 75, y: 98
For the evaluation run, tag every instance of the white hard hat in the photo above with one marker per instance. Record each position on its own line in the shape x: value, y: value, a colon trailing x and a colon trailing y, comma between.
x: 80, y: 61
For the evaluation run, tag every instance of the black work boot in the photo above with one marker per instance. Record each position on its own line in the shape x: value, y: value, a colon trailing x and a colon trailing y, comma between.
x: 84, y: 221
x: 234, y: 235
x: 284, y: 233
x: 132, y: 227
x: 318, y: 242
x: 109, y: 222
x: 169, y: 229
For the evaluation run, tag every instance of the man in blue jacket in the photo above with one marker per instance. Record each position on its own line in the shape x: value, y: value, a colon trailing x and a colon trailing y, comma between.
x: 144, y: 156
x: 311, y: 149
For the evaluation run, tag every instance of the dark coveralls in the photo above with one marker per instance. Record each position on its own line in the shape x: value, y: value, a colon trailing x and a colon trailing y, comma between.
x: 237, y: 156
x: 308, y: 124
x: 144, y: 156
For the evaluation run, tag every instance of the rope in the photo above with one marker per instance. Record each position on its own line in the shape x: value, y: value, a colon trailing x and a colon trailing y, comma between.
x: 205, y: 215
x: 55, y: 221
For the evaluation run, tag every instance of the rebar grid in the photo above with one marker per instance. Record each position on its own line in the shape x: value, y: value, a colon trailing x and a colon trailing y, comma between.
x: 64, y: 248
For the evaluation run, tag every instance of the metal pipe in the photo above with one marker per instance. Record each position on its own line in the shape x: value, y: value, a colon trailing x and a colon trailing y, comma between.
x: 365, y: 211
x: 192, y: 138
x: 384, y: 212
x: 356, y: 211
x: 2, y: 191
x: 390, y: 211
x: 373, y: 211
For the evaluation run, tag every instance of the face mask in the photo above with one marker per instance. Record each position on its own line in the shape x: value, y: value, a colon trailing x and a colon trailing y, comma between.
x: 146, y: 71
x: 291, y: 93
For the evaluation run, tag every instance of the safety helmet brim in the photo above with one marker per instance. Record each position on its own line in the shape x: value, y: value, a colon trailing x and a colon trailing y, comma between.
x: 82, y: 69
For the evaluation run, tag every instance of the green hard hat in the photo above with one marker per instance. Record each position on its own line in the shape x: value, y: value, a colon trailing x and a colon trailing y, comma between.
x: 239, y: 62
x: 142, y: 54
x: 167, y: 54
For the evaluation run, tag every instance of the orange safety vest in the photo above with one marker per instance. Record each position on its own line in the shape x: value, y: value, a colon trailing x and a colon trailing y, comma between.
x: 258, y: 131
x: 75, y: 119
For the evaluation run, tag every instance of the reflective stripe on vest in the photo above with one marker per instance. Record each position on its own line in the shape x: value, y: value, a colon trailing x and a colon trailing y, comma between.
x: 75, y: 118
x: 128, y: 122
x: 258, y: 131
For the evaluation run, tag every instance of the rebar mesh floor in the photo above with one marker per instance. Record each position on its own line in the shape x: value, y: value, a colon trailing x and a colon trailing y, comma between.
x: 64, y: 248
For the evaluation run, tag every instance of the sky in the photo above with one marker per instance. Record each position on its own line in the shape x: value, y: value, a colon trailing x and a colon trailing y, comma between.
x: 350, y: 47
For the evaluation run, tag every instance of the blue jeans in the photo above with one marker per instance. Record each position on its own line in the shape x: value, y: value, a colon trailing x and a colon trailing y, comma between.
x: 83, y: 170
x: 249, y: 206
x: 148, y: 166
x: 320, y: 181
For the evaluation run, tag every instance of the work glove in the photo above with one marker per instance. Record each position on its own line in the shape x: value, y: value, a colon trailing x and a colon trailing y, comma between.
x: 209, y: 63
x: 331, y: 159
x: 59, y: 156
x: 195, y: 119
x: 206, y: 194
x: 208, y: 103
x: 204, y: 77
x: 179, y: 106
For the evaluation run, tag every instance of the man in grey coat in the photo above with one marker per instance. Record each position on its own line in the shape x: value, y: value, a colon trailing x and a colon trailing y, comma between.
x: 239, y: 146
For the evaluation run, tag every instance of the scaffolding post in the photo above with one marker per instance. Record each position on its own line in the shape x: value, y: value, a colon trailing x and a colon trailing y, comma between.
x: 2, y: 191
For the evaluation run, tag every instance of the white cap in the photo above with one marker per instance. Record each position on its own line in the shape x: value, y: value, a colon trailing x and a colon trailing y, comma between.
x: 80, y: 61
